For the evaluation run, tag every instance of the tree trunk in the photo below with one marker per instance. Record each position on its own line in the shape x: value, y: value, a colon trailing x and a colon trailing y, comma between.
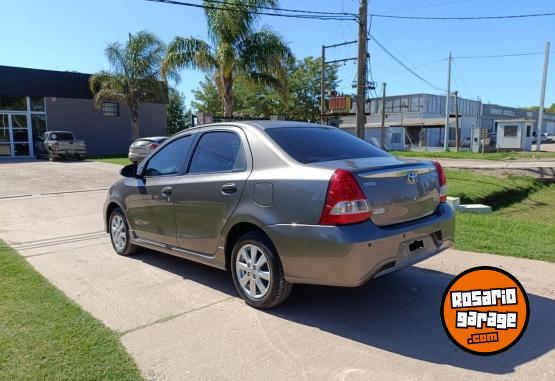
x: 228, y: 97
x: 135, y: 122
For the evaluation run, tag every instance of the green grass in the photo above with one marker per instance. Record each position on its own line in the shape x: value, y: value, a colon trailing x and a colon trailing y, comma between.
x: 498, y: 192
x: 523, y: 220
x: 45, y: 336
x: 111, y: 159
x: 475, y: 155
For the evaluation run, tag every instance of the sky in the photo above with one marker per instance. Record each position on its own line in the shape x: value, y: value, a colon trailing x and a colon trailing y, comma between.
x: 72, y: 35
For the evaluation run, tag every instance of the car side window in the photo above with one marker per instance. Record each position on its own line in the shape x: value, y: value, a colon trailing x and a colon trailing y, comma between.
x: 169, y: 160
x: 219, y: 151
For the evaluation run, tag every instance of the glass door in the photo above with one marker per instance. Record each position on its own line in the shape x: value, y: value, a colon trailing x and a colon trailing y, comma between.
x: 20, y: 134
x: 14, y: 134
x: 5, y: 136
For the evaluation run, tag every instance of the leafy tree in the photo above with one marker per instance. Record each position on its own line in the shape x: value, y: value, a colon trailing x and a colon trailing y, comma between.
x: 545, y: 109
x: 256, y: 100
x: 236, y: 49
x: 178, y: 116
x: 304, y: 82
x: 134, y: 77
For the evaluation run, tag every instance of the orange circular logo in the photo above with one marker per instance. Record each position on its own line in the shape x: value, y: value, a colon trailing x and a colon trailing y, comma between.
x: 485, y: 310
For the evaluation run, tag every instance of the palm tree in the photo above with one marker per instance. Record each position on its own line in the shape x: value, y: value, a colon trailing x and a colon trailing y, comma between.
x: 236, y: 48
x: 134, y: 77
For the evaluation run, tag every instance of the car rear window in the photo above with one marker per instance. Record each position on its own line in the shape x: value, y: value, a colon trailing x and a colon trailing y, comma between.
x: 317, y: 144
x: 61, y: 136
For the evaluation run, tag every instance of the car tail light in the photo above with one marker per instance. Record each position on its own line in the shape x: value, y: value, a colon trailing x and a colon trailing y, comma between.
x: 442, y: 182
x: 152, y: 146
x: 345, y: 202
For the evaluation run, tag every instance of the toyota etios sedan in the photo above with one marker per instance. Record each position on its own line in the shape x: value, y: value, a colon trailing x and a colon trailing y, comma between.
x: 278, y: 203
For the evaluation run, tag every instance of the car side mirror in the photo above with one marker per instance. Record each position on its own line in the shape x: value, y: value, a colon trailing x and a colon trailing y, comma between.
x: 129, y: 170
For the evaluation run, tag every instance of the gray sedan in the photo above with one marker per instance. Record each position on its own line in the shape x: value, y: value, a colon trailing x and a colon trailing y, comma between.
x: 140, y: 148
x: 277, y: 203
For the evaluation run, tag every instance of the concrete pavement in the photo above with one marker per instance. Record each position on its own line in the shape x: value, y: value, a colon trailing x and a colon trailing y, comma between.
x: 182, y: 320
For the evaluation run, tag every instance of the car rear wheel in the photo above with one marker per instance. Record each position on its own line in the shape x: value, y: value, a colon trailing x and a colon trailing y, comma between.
x: 119, y: 233
x: 257, y: 272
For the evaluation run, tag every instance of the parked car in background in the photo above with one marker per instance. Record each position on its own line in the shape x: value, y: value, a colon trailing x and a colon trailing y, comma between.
x: 57, y: 145
x: 140, y: 148
x: 544, y: 138
x: 277, y: 203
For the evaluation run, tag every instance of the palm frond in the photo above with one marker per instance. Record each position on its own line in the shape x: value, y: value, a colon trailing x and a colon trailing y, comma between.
x: 231, y: 20
x: 188, y: 53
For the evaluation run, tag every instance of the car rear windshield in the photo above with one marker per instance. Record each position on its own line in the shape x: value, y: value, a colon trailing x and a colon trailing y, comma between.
x: 61, y: 136
x: 317, y: 144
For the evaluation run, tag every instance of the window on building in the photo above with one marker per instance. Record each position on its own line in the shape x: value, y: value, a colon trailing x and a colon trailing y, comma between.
x: 396, y: 138
x: 388, y: 106
x: 397, y: 105
x: 414, y: 103
x: 510, y: 131
x: 37, y: 104
x: 218, y: 152
x: 13, y: 103
x: 110, y: 109
x: 528, y: 129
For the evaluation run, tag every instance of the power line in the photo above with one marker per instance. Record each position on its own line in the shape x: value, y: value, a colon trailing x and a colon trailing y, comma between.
x: 405, y: 66
x: 288, y: 10
x: 458, y: 71
x: 465, y: 18
x: 412, y: 67
x: 425, y: 6
x: 502, y: 55
x: 298, y: 14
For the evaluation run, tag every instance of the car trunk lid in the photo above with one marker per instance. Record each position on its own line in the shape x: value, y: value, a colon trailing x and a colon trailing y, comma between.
x: 397, y: 190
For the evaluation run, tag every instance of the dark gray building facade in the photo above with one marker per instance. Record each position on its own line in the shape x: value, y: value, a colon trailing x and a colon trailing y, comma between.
x: 33, y: 101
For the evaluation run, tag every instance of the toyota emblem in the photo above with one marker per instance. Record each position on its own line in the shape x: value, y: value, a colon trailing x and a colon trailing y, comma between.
x: 412, y: 177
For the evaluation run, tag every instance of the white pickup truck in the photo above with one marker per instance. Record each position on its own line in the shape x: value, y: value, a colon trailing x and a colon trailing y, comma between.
x: 56, y: 145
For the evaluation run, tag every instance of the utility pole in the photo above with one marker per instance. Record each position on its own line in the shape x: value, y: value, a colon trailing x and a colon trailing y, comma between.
x: 361, y: 69
x: 542, y: 98
x: 382, y: 131
x: 323, y: 86
x: 457, y: 137
x: 446, y: 134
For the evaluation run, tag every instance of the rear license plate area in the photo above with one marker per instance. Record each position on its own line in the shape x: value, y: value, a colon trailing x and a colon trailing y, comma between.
x: 415, y: 248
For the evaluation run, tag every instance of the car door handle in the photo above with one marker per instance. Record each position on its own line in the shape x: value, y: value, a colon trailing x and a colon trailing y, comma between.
x: 167, y: 192
x: 229, y: 188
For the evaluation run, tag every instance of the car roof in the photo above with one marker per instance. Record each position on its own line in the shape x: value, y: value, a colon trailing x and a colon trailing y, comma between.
x: 153, y: 138
x: 261, y: 124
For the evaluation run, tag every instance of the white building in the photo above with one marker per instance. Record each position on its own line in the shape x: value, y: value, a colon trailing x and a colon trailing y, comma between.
x: 417, y: 121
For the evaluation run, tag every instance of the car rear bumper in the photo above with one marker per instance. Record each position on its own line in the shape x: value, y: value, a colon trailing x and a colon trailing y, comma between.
x: 136, y: 157
x: 351, y: 255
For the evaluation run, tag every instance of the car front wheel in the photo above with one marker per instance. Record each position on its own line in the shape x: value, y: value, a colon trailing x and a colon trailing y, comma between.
x: 257, y: 272
x: 119, y: 233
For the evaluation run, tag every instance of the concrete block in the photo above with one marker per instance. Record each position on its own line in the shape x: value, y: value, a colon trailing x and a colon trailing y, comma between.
x: 474, y: 208
x: 454, y: 202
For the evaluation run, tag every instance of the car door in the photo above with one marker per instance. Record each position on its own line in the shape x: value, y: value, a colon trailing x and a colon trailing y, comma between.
x: 207, y: 195
x: 150, y: 207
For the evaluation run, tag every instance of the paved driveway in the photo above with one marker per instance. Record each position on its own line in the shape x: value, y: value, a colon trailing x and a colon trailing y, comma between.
x: 181, y: 320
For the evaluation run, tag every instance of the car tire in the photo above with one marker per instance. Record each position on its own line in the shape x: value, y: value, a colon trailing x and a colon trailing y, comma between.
x: 119, y: 233
x: 257, y: 271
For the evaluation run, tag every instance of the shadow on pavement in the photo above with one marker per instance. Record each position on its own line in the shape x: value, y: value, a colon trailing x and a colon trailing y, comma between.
x: 398, y: 313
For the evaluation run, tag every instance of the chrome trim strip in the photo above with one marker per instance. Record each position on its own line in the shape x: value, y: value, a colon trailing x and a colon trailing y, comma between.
x: 390, y: 174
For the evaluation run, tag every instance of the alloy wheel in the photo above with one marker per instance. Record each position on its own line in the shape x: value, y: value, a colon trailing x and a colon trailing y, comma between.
x: 253, y: 271
x: 119, y: 232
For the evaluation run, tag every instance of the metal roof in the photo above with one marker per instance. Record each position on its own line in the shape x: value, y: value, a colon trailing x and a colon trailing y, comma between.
x: 18, y: 81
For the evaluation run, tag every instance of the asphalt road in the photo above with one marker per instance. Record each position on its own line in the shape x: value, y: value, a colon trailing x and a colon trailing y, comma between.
x: 181, y: 320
